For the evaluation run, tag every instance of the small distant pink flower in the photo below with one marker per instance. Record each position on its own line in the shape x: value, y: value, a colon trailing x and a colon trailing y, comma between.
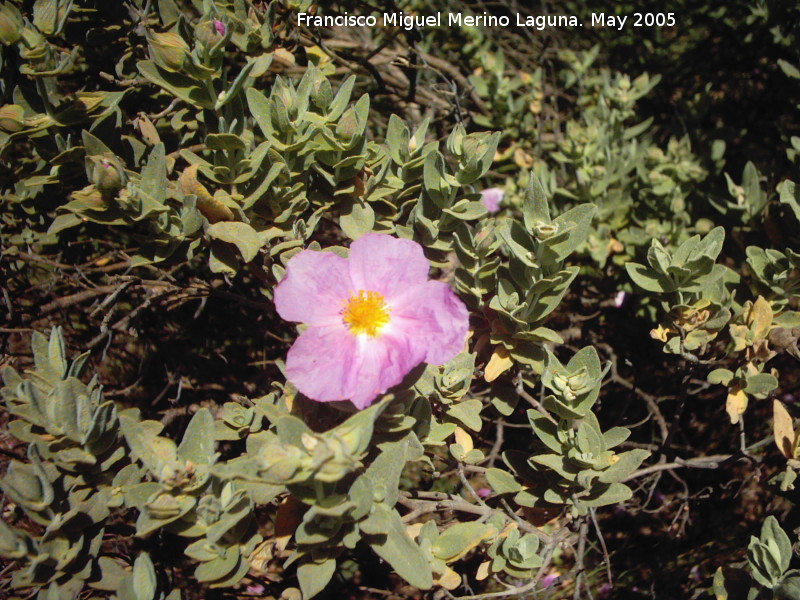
x: 372, y: 318
x: 491, y: 199
x: 549, y: 580
x: 220, y: 27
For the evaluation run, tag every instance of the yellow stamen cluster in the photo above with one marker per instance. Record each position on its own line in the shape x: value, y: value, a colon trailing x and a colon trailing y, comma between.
x: 366, y: 312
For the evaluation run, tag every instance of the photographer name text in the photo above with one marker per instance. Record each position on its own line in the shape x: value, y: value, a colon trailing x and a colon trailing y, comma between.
x: 538, y: 22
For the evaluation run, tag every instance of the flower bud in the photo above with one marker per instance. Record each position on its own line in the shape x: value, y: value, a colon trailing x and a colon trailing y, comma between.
x: 412, y: 144
x: 11, y: 24
x: 210, y: 33
x: 11, y: 118
x: 106, y: 175
x: 169, y: 50
x: 321, y: 92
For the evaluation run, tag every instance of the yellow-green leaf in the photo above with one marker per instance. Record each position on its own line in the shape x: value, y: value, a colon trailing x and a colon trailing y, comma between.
x: 499, y: 363
x: 760, y: 318
x: 736, y: 403
x: 783, y: 428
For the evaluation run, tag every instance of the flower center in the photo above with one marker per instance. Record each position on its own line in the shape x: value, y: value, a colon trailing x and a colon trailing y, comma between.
x: 366, y: 312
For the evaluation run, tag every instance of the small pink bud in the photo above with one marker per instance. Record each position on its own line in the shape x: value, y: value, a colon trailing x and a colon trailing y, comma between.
x: 220, y: 27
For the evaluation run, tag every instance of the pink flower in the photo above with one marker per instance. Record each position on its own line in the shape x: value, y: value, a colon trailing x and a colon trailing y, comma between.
x: 371, y: 318
x: 491, y: 199
x: 220, y: 27
x: 549, y: 580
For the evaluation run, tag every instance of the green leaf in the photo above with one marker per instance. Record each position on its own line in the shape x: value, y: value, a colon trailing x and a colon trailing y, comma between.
x: 613, y: 494
x: 151, y: 189
x: 647, y: 279
x: 502, y: 482
x: 468, y: 412
x: 721, y: 376
x: 534, y: 206
x: 260, y: 109
x: 168, y: 12
x: 244, y: 237
x: 558, y: 463
x: 222, y: 258
x: 615, y: 436
x: 790, y: 195
x: 788, y: 589
x: 357, y: 218
x: 339, y: 103
x: 789, y: 69
x: 391, y: 543
x: 577, y: 221
x: 177, y: 84
x: 731, y: 584
x: 225, y: 141
x: 545, y: 430
x: 761, y: 384
x: 589, y: 439
x: 626, y: 464
x: 236, y: 85
x: 144, y: 577
x: 397, y: 138
x: 436, y: 184
x: 479, y: 150
x: 144, y: 442
x: 458, y: 539
x: 466, y: 210
x: 315, y: 575
x: 220, y: 567
x: 546, y: 294
x: 385, y: 470
x: 198, y: 439
x: 711, y: 244
x: 764, y: 565
x: 771, y: 531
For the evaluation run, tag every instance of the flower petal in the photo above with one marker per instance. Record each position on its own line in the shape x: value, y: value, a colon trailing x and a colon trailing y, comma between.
x: 491, y: 199
x: 387, y: 265
x: 314, y: 289
x: 381, y: 362
x: 433, y: 317
x: 320, y: 362
x: 330, y: 363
